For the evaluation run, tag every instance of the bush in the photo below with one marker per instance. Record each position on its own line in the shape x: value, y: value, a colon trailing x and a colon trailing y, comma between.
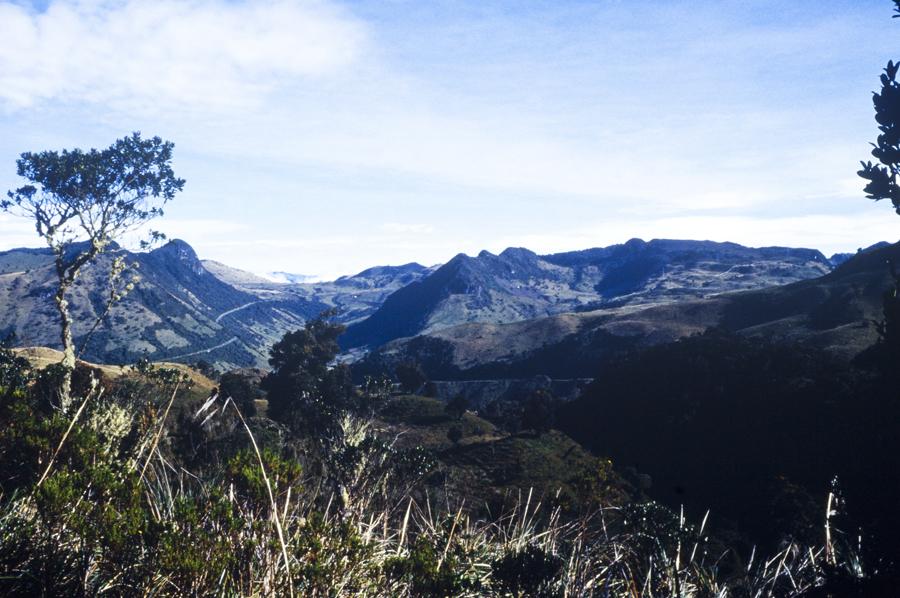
x: 528, y: 572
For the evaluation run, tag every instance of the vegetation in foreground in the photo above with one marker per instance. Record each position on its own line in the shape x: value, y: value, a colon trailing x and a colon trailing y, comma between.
x: 132, y: 496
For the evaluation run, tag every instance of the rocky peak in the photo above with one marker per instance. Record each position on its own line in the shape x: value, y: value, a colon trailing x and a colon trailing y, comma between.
x: 519, y: 254
x: 178, y: 251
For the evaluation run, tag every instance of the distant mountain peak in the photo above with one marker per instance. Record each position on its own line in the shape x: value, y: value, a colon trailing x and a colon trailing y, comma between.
x: 518, y: 253
x: 176, y: 248
x: 179, y: 246
x: 411, y: 267
x: 180, y: 251
x: 518, y: 284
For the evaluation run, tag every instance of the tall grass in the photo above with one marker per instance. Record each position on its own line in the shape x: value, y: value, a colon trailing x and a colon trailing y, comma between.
x: 102, y: 522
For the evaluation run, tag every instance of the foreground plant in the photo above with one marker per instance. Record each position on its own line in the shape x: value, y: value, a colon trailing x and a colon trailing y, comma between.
x: 102, y: 503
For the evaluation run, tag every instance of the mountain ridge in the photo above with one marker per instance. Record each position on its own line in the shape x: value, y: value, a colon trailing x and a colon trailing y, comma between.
x: 834, y: 312
x: 175, y: 309
x: 188, y: 308
x: 518, y: 284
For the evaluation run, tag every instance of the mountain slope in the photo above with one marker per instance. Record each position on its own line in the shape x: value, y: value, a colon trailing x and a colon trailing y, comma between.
x: 354, y: 297
x: 182, y: 308
x: 834, y: 312
x: 233, y: 276
x: 177, y: 311
x: 519, y: 284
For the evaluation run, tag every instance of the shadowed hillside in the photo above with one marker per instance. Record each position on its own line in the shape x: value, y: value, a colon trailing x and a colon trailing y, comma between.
x: 834, y: 312
x: 519, y: 284
x: 177, y: 310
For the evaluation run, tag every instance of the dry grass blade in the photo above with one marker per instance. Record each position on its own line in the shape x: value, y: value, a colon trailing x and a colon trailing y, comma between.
x: 62, y: 440
x: 404, y: 527
x: 159, y: 431
x: 450, y: 537
x: 275, y: 518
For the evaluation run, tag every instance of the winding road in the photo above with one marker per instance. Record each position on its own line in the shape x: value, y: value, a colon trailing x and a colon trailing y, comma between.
x: 233, y: 339
x: 218, y: 318
x: 231, y: 311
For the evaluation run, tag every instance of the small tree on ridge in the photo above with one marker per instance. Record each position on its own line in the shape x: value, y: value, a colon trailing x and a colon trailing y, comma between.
x: 81, y: 201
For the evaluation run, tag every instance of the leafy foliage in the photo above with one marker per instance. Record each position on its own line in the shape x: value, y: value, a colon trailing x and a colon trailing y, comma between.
x: 454, y: 434
x: 883, y: 177
x: 411, y: 376
x: 883, y: 184
x: 457, y: 406
x: 94, y: 195
x: 15, y: 375
x: 242, y: 389
x: 348, y: 524
x: 538, y: 412
x: 81, y: 202
x: 304, y: 390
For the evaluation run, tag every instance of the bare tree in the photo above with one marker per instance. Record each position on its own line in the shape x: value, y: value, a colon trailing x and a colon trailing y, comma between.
x: 81, y: 201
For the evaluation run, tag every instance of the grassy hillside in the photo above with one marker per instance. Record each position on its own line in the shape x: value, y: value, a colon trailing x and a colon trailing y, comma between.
x: 489, y: 467
x: 199, y: 386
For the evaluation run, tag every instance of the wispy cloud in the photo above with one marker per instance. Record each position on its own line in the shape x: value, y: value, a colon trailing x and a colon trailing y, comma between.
x: 16, y: 232
x: 341, y: 134
x: 142, y: 54
x: 407, y: 228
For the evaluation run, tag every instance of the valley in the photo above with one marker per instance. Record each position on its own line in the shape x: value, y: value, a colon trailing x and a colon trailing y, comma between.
x: 183, y: 307
x: 548, y: 355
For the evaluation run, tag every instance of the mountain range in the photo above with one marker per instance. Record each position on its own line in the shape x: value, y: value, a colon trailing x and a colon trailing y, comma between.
x: 178, y: 310
x: 520, y: 285
x: 182, y: 308
x: 188, y: 309
x: 835, y: 312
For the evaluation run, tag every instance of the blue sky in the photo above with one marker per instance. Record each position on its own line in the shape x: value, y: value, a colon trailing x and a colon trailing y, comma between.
x: 324, y: 137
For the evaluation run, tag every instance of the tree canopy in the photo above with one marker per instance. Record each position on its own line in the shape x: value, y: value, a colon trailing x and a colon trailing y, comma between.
x: 96, y: 195
x: 81, y: 201
x: 882, y: 177
x: 304, y: 389
x: 883, y: 183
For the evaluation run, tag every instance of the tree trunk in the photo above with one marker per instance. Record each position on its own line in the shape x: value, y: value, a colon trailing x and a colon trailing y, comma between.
x: 68, y: 343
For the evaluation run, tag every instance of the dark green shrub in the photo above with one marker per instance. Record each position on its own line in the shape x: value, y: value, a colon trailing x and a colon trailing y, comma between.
x: 410, y: 376
x: 424, y: 573
x: 243, y: 388
x: 454, y: 434
x: 15, y: 376
x: 246, y: 477
x: 531, y: 571
x: 331, y: 554
x: 201, y: 542
x: 457, y: 406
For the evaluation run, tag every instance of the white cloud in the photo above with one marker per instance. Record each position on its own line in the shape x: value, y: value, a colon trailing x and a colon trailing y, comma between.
x: 425, y: 131
x: 17, y: 232
x: 146, y: 54
x: 407, y: 228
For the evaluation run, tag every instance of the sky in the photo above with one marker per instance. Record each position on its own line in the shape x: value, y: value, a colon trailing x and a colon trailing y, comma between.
x: 323, y: 137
